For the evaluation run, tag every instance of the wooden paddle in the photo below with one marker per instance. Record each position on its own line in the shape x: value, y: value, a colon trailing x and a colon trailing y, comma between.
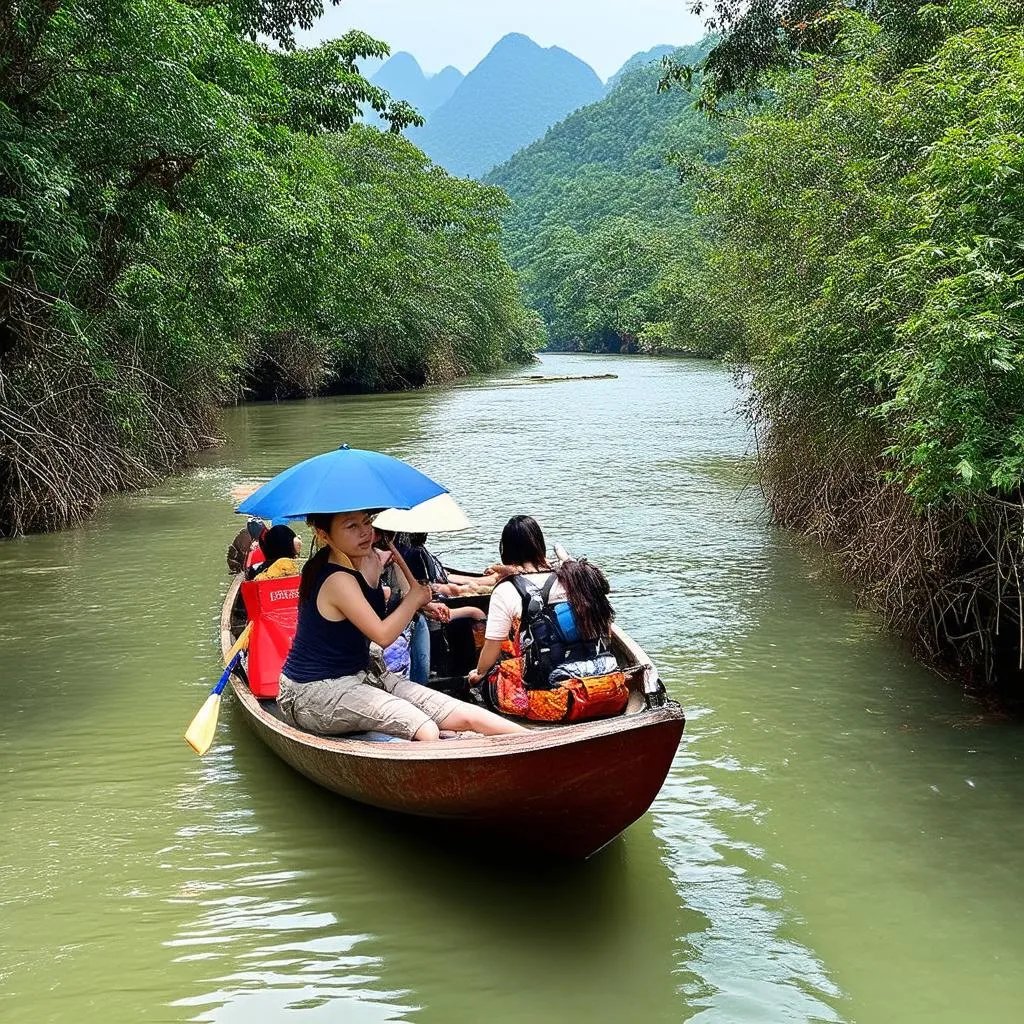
x: 199, y: 734
x: 240, y: 644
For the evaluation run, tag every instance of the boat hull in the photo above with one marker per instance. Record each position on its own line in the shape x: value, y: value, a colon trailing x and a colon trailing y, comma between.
x: 564, y: 790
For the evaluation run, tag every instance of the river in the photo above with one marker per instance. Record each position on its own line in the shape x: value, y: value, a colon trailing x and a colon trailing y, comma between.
x: 839, y: 838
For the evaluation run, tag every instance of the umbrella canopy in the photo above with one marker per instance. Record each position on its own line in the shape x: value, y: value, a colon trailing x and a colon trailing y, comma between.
x: 346, y: 480
x: 436, y: 515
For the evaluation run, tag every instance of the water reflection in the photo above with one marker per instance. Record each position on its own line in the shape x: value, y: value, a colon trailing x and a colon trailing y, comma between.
x: 405, y: 915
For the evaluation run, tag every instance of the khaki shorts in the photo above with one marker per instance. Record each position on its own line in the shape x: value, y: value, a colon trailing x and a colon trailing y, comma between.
x: 369, y: 701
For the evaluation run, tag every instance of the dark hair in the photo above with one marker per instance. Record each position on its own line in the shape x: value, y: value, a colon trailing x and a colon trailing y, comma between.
x: 381, y: 538
x: 522, y: 543
x: 278, y: 542
x: 315, y: 566
x: 417, y: 540
x: 586, y: 588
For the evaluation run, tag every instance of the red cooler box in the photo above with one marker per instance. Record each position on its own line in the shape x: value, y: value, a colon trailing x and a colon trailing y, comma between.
x: 273, y: 608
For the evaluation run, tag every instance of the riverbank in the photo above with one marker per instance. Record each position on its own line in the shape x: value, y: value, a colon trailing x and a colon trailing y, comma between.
x: 945, y: 579
x: 233, y: 230
x: 63, y: 457
x: 874, y: 280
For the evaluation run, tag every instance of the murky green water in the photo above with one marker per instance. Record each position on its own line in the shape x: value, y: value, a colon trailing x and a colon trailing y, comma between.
x: 838, y: 840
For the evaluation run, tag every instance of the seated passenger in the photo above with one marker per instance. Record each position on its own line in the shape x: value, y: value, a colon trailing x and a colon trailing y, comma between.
x: 329, y: 684
x: 397, y: 657
x: 280, y: 546
x: 579, y: 584
x: 239, y: 548
x: 427, y: 566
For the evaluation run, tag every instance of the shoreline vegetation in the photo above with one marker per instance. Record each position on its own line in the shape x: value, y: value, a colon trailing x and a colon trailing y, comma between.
x: 191, y: 218
x: 861, y: 252
x: 846, y: 226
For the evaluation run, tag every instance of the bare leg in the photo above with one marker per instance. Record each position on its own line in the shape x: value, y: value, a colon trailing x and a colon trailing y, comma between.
x: 427, y: 732
x: 474, y: 719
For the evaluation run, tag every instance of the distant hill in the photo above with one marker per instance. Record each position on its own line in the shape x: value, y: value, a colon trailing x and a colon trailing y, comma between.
x: 607, y: 159
x: 404, y: 79
x: 601, y: 227
x: 654, y: 54
x: 506, y: 102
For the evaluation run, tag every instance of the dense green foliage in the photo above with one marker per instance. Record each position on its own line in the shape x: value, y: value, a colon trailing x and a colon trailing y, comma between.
x: 601, y: 228
x: 863, y: 246
x: 509, y: 99
x: 867, y: 237
x: 185, y: 213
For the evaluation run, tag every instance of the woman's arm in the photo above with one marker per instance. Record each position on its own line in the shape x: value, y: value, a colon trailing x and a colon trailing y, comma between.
x: 457, y: 589
x: 486, y: 581
x: 342, y: 593
x: 488, y: 656
x: 502, y: 616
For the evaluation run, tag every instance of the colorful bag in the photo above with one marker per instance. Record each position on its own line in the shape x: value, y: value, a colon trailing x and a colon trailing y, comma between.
x: 547, y: 673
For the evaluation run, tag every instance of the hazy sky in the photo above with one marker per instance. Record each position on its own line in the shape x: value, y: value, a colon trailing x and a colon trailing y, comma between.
x: 604, y: 33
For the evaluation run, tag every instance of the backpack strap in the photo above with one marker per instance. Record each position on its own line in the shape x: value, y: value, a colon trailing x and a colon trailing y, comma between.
x: 437, y: 570
x: 528, y: 590
x: 525, y: 589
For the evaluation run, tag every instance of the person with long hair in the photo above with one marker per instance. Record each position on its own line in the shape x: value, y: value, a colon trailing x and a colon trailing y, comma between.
x: 330, y: 684
x: 280, y: 547
x: 583, y: 585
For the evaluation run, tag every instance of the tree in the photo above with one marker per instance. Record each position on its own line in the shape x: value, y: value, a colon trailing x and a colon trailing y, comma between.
x: 181, y: 223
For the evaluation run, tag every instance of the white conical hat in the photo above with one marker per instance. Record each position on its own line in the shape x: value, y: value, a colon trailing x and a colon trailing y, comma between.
x: 435, y: 515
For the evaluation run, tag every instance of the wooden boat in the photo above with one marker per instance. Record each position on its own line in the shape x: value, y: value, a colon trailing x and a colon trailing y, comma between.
x: 566, y: 790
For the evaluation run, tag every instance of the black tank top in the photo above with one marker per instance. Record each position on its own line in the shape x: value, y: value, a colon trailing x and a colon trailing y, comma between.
x: 326, y: 650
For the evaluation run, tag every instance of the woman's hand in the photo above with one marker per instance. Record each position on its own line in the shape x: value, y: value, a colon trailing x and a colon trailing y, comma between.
x: 489, y: 654
x: 437, y: 611
x: 420, y: 595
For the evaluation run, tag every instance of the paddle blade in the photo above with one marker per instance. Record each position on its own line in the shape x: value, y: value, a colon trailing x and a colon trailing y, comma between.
x: 199, y: 734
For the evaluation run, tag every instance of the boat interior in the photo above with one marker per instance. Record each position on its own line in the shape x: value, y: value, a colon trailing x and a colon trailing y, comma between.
x: 453, y: 654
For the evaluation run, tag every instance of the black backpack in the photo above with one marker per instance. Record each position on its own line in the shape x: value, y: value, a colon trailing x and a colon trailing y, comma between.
x: 544, y: 644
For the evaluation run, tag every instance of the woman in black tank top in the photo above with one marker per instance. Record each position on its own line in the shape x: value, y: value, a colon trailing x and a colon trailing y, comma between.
x: 330, y: 684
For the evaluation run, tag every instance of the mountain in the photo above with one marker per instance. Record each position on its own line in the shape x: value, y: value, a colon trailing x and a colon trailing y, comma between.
x: 404, y: 79
x: 601, y: 228
x: 655, y: 53
x: 608, y: 159
x: 441, y: 87
x: 506, y: 102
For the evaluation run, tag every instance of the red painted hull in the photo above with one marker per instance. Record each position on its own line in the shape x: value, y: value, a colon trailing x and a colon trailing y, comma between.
x: 567, y: 790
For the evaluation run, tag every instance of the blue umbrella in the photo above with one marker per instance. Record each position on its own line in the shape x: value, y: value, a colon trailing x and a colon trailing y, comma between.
x: 346, y: 480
